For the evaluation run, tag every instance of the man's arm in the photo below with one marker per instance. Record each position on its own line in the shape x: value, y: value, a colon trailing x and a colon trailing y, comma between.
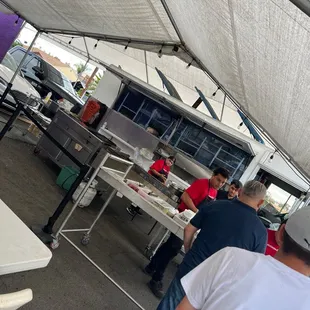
x: 155, y: 172
x: 194, y: 225
x: 189, y: 202
x: 189, y: 233
x: 185, y: 305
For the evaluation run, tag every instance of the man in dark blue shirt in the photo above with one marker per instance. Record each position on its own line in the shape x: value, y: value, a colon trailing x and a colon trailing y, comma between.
x: 222, y: 223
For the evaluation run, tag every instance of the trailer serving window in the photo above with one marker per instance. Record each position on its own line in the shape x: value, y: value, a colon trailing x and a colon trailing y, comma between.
x: 209, y: 149
x: 146, y: 112
x: 183, y: 134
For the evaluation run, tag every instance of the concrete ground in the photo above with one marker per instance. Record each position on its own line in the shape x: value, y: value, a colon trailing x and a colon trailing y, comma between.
x: 70, y: 282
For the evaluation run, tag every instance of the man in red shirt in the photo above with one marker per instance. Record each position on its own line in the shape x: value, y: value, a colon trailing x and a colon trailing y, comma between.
x: 200, y: 190
x: 273, y: 242
x: 159, y: 170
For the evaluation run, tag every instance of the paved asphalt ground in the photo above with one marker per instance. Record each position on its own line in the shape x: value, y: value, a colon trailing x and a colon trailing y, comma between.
x: 70, y: 282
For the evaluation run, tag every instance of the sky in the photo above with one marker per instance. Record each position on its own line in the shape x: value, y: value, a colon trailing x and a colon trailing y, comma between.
x: 26, y: 36
x: 278, y: 194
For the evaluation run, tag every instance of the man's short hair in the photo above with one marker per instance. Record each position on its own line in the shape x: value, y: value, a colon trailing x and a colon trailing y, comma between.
x: 172, y: 158
x: 237, y: 183
x: 222, y: 171
x: 254, y: 189
x: 290, y: 247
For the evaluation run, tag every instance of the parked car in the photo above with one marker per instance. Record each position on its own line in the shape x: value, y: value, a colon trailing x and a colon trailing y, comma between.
x: 270, y: 216
x: 45, y: 78
x: 7, y: 68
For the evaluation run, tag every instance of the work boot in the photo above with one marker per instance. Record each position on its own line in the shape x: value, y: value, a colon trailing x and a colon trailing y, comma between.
x: 148, y: 271
x: 138, y: 211
x: 157, y: 288
x: 131, y: 211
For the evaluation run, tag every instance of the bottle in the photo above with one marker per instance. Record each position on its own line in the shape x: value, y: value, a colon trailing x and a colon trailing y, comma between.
x: 48, y: 97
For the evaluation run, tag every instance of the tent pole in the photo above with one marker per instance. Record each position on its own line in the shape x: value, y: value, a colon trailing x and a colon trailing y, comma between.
x: 79, y: 75
x: 222, y: 112
x: 146, y: 69
x: 10, y: 84
x: 11, y: 120
x: 89, y: 81
x: 86, y: 63
x: 303, y: 5
x: 285, y: 203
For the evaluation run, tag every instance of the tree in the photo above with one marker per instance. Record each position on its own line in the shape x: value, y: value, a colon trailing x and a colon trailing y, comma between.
x: 92, y: 86
x: 95, y: 82
x: 17, y: 43
x: 80, y: 68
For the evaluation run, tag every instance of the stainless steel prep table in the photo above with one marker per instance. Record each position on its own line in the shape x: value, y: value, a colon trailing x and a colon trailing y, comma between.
x: 115, y: 179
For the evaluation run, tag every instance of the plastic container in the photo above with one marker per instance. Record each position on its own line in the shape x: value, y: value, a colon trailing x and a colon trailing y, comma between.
x: 90, y: 110
x: 146, y: 153
x: 143, y: 194
x: 88, y: 196
x: 179, y: 221
x: 172, y: 212
x: 66, y: 177
x: 186, y: 215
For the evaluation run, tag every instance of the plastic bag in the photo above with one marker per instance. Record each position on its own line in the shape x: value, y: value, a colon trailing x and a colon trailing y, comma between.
x: 137, y: 159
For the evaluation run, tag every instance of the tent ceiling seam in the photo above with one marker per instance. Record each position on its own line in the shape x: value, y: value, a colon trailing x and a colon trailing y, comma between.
x: 65, y: 19
x: 158, y: 18
x: 163, y: 2
x: 294, y: 19
x: 233, y: 30
x: 191, y: 54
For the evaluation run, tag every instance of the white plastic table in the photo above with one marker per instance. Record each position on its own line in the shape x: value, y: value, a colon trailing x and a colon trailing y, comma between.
x: 20, y: 248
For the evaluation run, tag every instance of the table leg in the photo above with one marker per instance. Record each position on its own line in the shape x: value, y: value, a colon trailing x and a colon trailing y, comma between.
x: 152, y: 228
x: 160, y: 229
x: 107, y: 202
x: 161, y: 241
x: 149, y: 252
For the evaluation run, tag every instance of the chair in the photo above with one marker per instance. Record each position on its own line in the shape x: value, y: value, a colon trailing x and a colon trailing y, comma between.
x: 15, y: 300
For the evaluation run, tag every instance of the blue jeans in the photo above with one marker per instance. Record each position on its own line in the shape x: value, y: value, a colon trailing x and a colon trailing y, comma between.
x: 173, y: 297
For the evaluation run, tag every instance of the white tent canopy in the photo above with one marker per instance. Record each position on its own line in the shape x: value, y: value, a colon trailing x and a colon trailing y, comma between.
x: 257, y: 51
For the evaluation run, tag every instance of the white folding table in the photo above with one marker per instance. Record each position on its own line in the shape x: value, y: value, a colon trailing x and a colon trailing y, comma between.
x: 20, y: 248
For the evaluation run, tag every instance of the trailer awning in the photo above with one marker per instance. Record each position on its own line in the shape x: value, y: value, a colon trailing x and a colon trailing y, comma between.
x: 256, y: 51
